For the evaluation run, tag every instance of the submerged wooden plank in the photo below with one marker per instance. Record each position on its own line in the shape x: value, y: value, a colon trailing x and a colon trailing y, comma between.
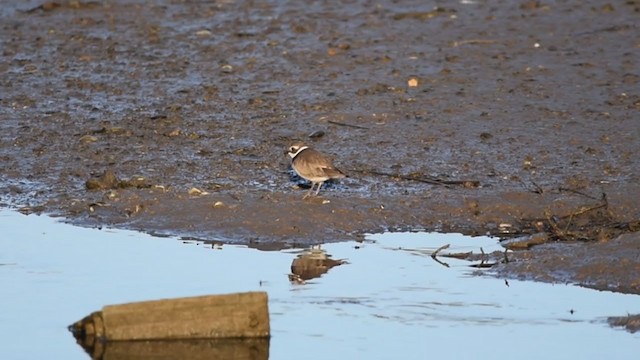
x: 241, y: 315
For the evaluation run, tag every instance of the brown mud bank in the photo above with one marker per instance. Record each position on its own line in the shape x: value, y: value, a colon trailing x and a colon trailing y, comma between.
x: 505, y: 119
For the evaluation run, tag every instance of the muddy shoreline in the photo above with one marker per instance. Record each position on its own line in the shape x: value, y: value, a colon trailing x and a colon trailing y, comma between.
x: 532, y: 106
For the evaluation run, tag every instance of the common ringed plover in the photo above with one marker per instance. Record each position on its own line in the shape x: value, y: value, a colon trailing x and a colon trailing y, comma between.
x: 312, y: 165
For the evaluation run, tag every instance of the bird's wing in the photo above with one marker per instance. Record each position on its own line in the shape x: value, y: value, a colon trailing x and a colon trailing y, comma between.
x: 333, y: 172
x: 317, y: 164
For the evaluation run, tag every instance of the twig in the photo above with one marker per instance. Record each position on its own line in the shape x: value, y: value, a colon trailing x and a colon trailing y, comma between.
x: 347, y: 125
x: 423, y: 179
x: 435, y: 253
x: 539, y: 189
x: 459, y: 256
x: 441, y: 262
x: 584, y: 210
x: 578, y: 192
x: 472, y: 42
x: 554, y: 226
x: 580, y: 212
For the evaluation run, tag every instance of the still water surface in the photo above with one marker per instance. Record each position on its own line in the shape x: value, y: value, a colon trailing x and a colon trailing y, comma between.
x: 390, y: 301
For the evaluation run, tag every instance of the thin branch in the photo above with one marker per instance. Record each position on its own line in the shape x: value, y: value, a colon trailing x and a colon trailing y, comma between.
x: 472, y: 42
x: 347, y: 125
x: 435, y: 253
x: 539, y: 189
x: 584, y: 210
x: 578, y: 192
x: 423, y: 179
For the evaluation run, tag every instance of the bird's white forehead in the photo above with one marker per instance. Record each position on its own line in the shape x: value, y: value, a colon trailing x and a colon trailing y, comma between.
x: 297, y: 150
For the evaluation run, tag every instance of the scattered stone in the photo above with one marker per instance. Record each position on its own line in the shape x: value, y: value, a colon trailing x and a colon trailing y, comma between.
x: 218, y: 204
x: 197, y: 192
x: 88, y: 139
x: 316, y: 134
x: 130, y: 211
x: 485, y: 136
x: 27, y: 210
x: 505, y: 228
x: 173, y: 133
x: 204, y: 32
x: 160, y: 187
x: 107, y: 180
x: 138, y: 182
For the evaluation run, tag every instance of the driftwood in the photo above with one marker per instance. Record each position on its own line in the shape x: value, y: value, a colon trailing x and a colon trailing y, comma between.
x: 241, y: 315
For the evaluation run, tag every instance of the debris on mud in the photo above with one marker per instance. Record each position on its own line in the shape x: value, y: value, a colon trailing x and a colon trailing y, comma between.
x: 525, y: 242
x: 630, y: 322
x: 108, y: 180
x: 591, y: 221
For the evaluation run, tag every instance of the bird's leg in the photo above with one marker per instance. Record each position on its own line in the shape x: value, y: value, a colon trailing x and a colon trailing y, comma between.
x: 310, y: 190
x: 319, y: 185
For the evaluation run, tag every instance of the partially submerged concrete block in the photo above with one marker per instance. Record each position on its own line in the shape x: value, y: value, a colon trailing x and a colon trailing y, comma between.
x: 241, y: 315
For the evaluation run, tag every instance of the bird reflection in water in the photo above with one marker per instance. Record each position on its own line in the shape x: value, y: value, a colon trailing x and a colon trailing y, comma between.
x: 310, y: 264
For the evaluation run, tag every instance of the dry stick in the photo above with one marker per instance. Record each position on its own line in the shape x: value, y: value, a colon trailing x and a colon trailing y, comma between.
x: 441, y: 262
x: 473, y: 42
x: 557, y: 231
x: 578, y: 192
x: 539, y: 189
x: 566, y: 228
x: 460, y: 256
x: 580, y: 212
x: 347, y: 125
x: 435, y: 253
x: 585, y: 210
x: 428, y: 180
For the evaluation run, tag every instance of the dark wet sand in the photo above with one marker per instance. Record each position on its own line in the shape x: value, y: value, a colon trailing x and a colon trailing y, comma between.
x: 537, y: 102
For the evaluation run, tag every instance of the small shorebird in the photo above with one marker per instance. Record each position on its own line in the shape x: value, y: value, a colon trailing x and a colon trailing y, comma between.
x: 312, y: 165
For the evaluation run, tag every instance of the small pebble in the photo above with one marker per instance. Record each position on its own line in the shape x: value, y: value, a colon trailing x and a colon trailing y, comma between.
x: 204, y: 32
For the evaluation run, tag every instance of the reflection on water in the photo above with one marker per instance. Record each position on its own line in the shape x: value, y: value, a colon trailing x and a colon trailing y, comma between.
x: 392, y: 300
x: 311, y: 263
x: 240, y: 349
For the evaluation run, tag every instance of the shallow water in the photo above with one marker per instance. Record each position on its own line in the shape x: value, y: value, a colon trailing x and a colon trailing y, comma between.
x: 391, y: 300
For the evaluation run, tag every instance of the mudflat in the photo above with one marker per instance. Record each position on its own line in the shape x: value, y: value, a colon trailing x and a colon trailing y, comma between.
x: 509, y: 119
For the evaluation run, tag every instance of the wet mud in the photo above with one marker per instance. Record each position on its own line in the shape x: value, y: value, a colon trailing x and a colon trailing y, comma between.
x: 171, y: 117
